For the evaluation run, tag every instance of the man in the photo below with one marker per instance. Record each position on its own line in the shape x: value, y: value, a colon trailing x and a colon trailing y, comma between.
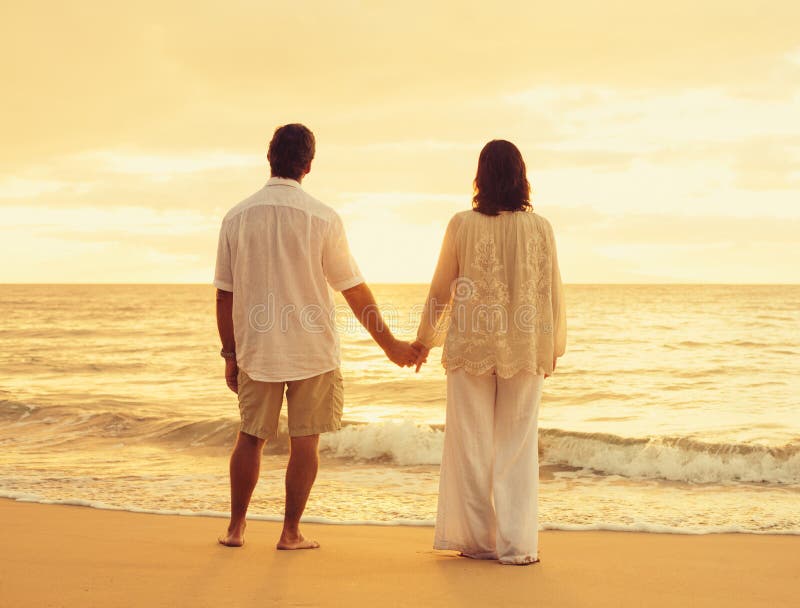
x: 280, y: 253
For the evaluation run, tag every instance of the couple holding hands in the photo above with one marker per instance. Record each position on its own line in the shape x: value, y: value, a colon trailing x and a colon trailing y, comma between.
x: 495, y: 304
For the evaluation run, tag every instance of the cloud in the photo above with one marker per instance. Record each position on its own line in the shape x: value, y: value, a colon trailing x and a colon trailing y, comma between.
x: 179, y: 74
x: 664, y: 247
x: 672, y: 229
x: 397, y: 238
x: 108, y: 245
x: 643, y: 120
x: 768, y: 163
x: 12, y: 187
x: 164, y: 166
x: 133, y: 128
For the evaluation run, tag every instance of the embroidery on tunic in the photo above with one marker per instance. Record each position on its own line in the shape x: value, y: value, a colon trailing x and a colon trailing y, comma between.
x: 484, y: 314
x: 497, y: 327
x: 536, y: 290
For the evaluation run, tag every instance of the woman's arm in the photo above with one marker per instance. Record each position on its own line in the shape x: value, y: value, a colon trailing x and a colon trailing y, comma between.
x: 430, y: 334
x: 559, y: 307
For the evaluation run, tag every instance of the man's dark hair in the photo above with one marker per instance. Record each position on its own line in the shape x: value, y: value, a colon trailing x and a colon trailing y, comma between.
x: 501, y: 183
x: 291, y: 149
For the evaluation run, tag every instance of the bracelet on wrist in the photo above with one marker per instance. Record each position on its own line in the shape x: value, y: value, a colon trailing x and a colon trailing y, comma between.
x: 230, y: 355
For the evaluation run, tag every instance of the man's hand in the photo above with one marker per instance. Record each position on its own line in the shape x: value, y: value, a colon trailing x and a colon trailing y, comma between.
x: 225, y: 327
x: 422, y: 354
x: 232, y: 375
x: 401, y: 353
x: 362, y: 303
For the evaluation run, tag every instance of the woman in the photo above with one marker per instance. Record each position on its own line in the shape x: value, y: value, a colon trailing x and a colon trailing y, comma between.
x: 496, y: 301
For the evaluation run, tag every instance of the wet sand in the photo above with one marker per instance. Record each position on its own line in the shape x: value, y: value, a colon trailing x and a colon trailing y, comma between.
x: 56, y: 555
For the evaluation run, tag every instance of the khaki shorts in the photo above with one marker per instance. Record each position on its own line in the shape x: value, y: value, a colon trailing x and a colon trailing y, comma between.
x: 314, y: 405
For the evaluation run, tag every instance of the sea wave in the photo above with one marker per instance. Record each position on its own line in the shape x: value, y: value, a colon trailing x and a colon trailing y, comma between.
x: 407, y: 443
x: 402, y: 443
x: 682, y: 459
x: 66, y: 425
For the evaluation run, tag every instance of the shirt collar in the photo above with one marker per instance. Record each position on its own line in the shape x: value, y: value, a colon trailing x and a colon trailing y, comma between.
x: 283, y: 181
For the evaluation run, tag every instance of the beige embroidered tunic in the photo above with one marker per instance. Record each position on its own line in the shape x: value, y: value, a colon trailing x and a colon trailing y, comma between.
x: 496, y: 300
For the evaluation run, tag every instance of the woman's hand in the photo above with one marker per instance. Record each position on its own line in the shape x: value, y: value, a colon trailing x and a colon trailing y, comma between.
x: 555, y: 360
x: 422, y: 354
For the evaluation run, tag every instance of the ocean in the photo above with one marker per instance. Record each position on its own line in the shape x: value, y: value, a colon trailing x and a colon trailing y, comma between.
x: 675, y: 409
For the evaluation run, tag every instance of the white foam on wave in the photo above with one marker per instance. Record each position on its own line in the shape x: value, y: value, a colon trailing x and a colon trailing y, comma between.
x: 406, y: 443
x: 403, y: 443
x: 75, y: 502
x: 672, y: 458
x: 661, y: 529
x: 667, y: 458
x: 645, y: 527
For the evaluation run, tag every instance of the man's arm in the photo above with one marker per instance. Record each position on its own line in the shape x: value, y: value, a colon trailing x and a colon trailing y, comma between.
x: 225, y: 328
x: 364, y: 307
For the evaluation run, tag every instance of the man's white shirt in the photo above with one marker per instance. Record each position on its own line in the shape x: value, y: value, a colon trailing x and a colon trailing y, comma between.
x: 280, y: 252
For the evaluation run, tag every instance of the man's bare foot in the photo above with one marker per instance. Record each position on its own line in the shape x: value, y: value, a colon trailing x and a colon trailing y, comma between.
x: 234, y: 537
x: 290, y: 543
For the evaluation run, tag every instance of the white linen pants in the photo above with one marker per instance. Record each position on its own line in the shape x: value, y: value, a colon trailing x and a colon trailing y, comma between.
x: 489, y: 481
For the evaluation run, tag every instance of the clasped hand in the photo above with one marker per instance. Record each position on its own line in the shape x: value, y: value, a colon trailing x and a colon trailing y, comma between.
x: 406, y: 354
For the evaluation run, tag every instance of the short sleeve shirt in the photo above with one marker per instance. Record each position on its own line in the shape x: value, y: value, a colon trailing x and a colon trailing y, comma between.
x: 282, y: 252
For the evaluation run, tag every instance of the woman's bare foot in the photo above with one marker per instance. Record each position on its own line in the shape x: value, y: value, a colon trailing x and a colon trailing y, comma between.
x: 234, y: 536
x: 295, y: 541
x: 520, y: 560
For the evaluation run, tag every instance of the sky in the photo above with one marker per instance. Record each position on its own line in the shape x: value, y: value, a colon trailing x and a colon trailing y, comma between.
x: 662, y: 139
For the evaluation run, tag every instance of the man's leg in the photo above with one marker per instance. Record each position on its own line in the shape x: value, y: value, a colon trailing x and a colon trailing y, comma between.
x: 245, y: 466
x: 300, y: 476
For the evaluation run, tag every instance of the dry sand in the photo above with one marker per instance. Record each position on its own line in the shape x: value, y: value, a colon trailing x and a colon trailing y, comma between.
x: 76, y: 556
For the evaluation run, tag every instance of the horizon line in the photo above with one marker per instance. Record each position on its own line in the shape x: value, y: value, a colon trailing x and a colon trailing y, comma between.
x: 423, y: 283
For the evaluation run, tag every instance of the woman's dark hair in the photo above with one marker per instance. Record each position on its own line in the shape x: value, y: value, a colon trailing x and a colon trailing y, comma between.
x: 501, y: 183
x: 291, y: 149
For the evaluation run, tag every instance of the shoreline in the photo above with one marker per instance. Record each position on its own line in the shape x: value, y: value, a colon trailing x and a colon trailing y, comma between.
x: 28, y: 499
x: 67, y: 556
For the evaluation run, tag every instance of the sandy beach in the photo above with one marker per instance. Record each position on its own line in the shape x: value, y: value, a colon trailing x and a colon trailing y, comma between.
x: 77, y: 556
